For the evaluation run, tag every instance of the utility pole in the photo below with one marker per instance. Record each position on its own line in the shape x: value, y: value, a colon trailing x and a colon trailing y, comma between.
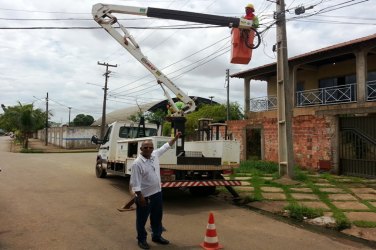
x: 105, y: 96
x: 69, y: 116
x: 211, y: 99
x: 46, y: 135
x: 227, y: 81
x: 284, y: 97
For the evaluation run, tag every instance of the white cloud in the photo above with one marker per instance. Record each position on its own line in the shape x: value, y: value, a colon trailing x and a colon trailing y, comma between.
x: 62, y: 62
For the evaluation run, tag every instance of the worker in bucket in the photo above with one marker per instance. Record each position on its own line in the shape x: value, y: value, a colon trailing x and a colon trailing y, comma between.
x: 249, y: 15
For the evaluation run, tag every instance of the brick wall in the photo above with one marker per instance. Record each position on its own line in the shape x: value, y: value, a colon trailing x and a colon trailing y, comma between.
x: 312, y: 138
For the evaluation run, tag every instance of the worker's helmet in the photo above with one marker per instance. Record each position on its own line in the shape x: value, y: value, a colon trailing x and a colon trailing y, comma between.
x: 250, y: 6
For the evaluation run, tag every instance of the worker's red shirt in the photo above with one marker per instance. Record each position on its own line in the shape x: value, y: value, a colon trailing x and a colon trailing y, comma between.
x: 249, y: 16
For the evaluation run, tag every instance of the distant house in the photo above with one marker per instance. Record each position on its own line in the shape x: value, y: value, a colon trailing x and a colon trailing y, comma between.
x: 334, y: 113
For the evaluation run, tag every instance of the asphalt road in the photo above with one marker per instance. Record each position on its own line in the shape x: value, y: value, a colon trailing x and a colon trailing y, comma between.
x: 54, y: 201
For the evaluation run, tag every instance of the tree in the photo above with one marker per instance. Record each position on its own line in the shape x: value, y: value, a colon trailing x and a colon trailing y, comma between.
x: 217, y: 112
x: 83, y: 120
x: 156, y: 117
x: 22, y: 119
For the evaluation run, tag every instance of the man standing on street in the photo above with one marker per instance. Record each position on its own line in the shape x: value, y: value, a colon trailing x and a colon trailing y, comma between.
x: 146, y: 183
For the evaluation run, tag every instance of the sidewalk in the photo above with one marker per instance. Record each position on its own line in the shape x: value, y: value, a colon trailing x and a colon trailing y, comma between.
x: 352, y: 198
x: 38, y: 146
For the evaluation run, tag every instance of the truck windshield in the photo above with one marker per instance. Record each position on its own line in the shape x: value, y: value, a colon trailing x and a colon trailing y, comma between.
x: 131, y: 132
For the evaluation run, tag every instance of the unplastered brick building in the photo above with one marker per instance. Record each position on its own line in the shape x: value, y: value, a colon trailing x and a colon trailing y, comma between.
x: 334, y: 109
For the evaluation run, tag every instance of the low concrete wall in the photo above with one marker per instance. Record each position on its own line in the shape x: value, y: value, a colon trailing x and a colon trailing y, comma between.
x: 70, y: 137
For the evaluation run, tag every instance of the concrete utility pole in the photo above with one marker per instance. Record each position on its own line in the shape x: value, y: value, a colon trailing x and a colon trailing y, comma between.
x: 46, y: 135
x: 103, y: 125
x: 284, y: 96
x: 227, y: 81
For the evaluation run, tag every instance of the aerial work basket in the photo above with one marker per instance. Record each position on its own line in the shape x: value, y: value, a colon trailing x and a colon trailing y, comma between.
x: 240, y: 52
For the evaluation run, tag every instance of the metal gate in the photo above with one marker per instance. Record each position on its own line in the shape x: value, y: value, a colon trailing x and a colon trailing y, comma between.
x: 357, y: 148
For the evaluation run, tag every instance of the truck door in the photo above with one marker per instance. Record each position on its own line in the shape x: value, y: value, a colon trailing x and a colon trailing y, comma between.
x: 105, y: 146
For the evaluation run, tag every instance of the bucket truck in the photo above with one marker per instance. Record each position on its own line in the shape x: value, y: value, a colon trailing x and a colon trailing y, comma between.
x: 197, y: 165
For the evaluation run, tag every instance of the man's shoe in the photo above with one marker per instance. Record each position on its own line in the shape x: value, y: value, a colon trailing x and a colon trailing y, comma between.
x: 143, y: 245
x: 160, y: 240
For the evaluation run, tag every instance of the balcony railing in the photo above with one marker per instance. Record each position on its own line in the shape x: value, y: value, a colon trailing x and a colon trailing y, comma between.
x: 371, y: 91
x: 261, y: 104
x: 315, y: 97
x: 326, y: 96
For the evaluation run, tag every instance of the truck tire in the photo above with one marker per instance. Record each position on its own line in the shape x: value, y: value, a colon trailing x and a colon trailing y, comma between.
x: 202, y: 191
x: 99, y: 171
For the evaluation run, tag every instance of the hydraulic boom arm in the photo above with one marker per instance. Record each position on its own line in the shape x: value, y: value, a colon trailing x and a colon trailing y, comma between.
x: 103, y: 15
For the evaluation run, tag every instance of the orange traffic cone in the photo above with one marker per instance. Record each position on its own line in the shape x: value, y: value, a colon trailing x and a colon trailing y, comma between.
x: 211, y: 239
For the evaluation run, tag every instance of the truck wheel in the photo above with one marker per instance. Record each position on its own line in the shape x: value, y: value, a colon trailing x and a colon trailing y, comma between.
x: 99, y: 171
x: 202, y: 191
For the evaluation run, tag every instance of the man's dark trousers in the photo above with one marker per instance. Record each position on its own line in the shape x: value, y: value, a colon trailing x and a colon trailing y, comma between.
x: 154, y: 207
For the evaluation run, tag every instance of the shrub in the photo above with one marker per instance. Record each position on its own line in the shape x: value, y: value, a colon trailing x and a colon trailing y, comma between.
x: 299, y: 212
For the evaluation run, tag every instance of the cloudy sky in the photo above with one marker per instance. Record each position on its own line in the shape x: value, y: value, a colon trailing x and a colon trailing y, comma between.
x: 64, y: 62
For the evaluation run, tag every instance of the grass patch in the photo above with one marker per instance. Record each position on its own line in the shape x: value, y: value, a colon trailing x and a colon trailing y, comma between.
x: 257, y: 167
x: 300, y: 175
x: 300, y: 212
x: 253, y: 197
x: 362, y: 223
x: 257, y: 182
x: 28, y: 150
x: 341, y: 219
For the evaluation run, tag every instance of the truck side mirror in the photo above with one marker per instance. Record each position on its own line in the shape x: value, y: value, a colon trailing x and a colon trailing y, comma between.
x: 94, y: 139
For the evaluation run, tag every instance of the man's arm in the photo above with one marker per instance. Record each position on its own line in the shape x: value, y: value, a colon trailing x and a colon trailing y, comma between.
x: 135, y: 183
x: 173, y: 140
x: 160, y: 151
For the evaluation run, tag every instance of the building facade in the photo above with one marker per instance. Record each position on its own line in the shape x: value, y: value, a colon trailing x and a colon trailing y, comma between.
x: 334, y: 111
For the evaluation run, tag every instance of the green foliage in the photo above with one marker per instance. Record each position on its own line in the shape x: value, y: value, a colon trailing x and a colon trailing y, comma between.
x: 338, y: 215
x: 83, y: 120
x: 166, y: 129
x: 217, y: 112
x: 135, y: 117
x: 299, y: 175
x: 28, y: 150
x: 300, y: 212
x: 253, y: 197
x: 342, y: 221
x: 257, y: 167
x: 156, y: 117
x: 361, y: 223
x: 22, y: 118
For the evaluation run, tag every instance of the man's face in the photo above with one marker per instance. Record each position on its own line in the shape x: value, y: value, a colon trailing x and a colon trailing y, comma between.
x: 249, y: 10
x: 147, y: 148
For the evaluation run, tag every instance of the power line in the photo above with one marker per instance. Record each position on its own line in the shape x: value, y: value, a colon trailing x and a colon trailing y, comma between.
x: 200, y: 62
x: 67, y: 19
x: 40, y: 11
x: 178, y: 61
x: 329, y: 9
x: 177, y: 27
x: 347, y: 17
x: 332, y: 22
